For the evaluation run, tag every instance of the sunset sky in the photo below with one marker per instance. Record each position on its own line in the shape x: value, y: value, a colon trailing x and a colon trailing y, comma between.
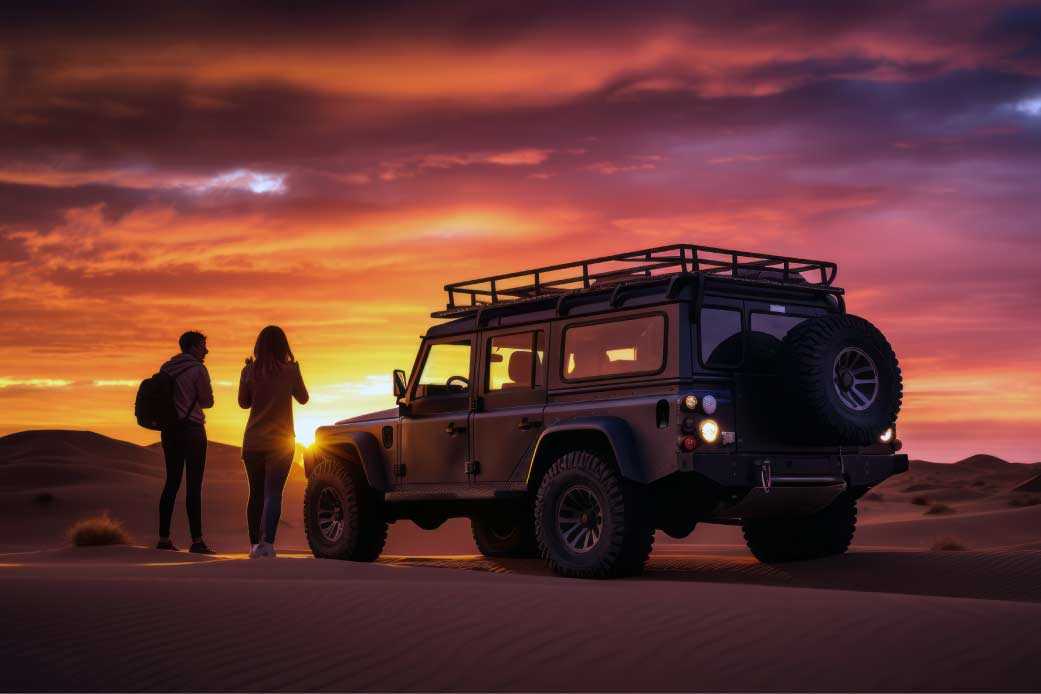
x: 329, y: 172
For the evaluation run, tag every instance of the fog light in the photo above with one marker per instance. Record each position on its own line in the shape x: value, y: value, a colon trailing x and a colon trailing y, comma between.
x: 886, y: 436
x: 709, y: 430
x: 688, y: 443
x: 690, y: 403
x: 708, y: 404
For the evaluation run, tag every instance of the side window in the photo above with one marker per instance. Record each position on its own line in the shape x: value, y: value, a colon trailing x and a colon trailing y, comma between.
x: 721, y: 343
x: 446, y: 370
x: 615, y: 348
x: 515, y: 362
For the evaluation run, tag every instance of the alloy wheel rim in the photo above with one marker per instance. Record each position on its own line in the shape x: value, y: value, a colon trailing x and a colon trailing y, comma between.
x: 856, y: 379
x: 580, y: 519
x: 330, y: 514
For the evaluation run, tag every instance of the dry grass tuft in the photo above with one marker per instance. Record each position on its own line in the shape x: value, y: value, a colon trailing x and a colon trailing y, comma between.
x: 98, y: 531
x: 920, y: 501
x: 1020, y: 501
x: 938, y: 509
x: 948, y: 544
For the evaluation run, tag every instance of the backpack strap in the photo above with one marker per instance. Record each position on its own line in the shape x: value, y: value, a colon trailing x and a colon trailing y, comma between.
x: 195, y: 400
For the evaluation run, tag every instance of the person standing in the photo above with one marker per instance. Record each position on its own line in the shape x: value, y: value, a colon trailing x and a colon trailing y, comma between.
x: 184, y: 443
x: 270, y: 380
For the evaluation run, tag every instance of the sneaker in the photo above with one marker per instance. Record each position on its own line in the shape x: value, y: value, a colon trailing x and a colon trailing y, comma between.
x: 165, y: 544
x: 254, y: 551
x: 200, y: 548
x: 266, y: 550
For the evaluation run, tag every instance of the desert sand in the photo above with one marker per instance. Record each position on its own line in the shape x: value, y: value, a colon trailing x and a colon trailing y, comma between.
x: 432, y: 615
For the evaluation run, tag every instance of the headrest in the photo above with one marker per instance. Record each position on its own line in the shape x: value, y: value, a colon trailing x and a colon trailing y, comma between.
x: 519, y: 368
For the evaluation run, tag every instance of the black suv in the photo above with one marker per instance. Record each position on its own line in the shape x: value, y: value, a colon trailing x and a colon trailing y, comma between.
x: 571, y: 411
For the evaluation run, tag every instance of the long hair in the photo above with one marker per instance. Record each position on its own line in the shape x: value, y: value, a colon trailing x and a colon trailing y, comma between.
x: 271, y: 350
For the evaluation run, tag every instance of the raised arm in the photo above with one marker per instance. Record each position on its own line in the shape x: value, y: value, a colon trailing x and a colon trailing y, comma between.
x: 246, y: 387
x: 299, y: 389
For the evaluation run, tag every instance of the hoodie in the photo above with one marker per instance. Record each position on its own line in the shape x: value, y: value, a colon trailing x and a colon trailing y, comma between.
x: 192, y: 384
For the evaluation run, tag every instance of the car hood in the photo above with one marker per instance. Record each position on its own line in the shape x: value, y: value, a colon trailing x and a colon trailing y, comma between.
x: 371, y: 416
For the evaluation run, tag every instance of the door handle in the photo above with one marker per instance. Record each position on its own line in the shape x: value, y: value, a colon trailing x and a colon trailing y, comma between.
x: 452, y: 429
x: 526, y: 424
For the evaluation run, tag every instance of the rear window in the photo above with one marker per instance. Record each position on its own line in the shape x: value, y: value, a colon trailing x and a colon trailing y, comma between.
x: 774, y: 325
x: 720, y: 331
x: 616, y: 348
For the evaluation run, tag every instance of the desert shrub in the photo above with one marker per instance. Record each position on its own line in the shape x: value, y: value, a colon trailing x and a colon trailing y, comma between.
x: 948, y: 544
x: 920, y: 501
x: 873, y: 496
x: 1020, y: 501
x: 98, y: 531
x: 44, y: 499
x: 937, y: 509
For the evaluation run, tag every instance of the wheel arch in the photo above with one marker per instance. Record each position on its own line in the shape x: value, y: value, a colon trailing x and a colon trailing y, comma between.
x: 352, y: 447
x: 610, y: 436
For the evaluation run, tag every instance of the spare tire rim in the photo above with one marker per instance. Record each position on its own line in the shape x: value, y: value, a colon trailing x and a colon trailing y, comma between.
x: 580, y: 519
x: 856, y: 379
x: 330, y: 514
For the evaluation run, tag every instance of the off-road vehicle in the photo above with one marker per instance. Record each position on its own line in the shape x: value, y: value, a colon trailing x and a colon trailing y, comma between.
x: 571, y: 411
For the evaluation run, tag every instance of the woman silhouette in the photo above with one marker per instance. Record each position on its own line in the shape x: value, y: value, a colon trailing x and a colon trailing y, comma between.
x: 269, y: 382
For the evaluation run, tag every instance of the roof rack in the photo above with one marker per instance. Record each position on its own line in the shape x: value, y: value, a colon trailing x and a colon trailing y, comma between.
x: 641, y: 265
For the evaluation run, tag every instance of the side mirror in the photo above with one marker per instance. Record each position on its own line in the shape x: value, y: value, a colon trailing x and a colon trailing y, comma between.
x: 399, y: 383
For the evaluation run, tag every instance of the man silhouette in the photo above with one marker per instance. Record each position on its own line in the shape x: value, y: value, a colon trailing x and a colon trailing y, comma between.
x: 184, y: 443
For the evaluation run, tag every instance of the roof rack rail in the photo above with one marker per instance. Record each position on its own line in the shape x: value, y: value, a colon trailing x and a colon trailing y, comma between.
x: 641, y: 265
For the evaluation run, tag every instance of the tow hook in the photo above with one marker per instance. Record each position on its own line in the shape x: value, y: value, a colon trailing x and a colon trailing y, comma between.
x: 765, y: 475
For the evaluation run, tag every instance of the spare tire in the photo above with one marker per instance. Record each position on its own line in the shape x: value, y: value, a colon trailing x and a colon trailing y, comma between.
x: 841, y: 381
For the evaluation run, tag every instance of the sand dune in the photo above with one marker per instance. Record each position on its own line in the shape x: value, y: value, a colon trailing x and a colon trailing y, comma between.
x: 432, y: 615
x: 137, y: 619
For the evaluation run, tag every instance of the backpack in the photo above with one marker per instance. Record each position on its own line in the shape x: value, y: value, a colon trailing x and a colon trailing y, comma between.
x: 155, y: 407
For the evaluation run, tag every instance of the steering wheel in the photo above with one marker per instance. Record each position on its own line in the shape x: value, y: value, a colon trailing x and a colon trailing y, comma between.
x: 465, y: 381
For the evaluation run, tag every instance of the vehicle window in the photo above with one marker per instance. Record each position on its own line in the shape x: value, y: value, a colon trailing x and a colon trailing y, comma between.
x: 616, y: 348
x: 773, y: 324
x: 720, y: 337
x: 446, y: 369
x: 515, y: 361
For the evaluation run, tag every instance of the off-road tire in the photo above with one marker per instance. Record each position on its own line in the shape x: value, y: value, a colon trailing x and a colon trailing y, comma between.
x: 364, y: 529
x: 826, y: 533
x: 627, y: 532
x: 815, y: 409
x: 505, y: 534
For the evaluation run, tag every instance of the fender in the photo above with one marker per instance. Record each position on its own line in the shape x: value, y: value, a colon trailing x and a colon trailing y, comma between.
x: 619, y: 436
x: 360, y: 445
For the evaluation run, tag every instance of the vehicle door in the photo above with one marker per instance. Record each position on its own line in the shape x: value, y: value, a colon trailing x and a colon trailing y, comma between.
x: 434, y: 428
x: 759, y: 381
x: 508, y: 419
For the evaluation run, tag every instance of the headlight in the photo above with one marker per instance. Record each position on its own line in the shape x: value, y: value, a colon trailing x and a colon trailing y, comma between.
x: 886, y: 436
x: 690, y: 403
x: 708, y: 404
x: 709, y: 430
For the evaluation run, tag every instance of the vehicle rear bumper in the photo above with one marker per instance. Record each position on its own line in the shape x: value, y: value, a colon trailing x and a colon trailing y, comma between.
x: 786, y: 469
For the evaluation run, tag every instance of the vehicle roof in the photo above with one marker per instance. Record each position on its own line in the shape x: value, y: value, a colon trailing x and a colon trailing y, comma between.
x: 674, y: 288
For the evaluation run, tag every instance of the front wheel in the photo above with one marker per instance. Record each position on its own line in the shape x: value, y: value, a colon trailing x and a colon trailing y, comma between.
x: 589, y: 522
x: 343, y: 515
x: 826, y: 533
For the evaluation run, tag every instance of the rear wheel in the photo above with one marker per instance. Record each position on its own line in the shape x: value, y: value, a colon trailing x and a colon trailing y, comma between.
x: 505, y: 534
x: 589, y: 522
x: 343, y: 516
x: 826, y: 533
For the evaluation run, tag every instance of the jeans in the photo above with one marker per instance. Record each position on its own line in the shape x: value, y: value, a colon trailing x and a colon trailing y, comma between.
x: 184, y: 446
x: 267, y: 472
